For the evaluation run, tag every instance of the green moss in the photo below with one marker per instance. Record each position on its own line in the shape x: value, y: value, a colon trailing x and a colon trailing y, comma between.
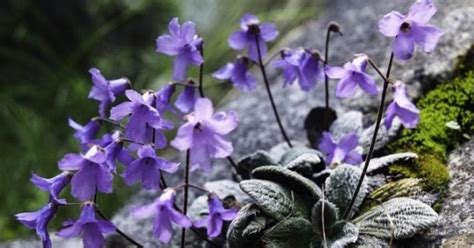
x: 432, y: 139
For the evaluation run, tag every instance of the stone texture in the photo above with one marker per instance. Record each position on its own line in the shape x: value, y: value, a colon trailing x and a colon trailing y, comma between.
x: 258, y: 129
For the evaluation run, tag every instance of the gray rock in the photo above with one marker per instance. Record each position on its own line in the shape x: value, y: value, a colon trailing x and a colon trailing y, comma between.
x: 456, y: 224
x: 350, y: 122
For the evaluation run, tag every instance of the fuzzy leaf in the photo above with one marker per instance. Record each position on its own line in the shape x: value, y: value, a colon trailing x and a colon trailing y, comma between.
x: 275, y: 200
x: 341, y: 185
x: 249, y: 162
x: 290, y: 232
x: 247, y: 227
x: 294, y: 181
x: 402, y: 217
x: 340, y: 235
x: 382, y: 162
x: 303, y: 160
x: 330, y: 216
x: 403, y: 187
x: 367, y: 241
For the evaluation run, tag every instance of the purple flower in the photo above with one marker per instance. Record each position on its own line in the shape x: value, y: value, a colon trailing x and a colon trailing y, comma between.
x: 144, y: 118
x: 90, y: 227
x: 53, y: 185
x: 114, y: 150
x: 302, y: 65
x: 204, y: 134
x: 411, y: 29
x: 147, y: 168
x: 183, y: 43
x: 165, y: 213
x: 39, y: 221
x: 85, y: 134
x: 402, y: 108
x: 250, y: 30
x: 238, y: 73
x: 104, y: 90
x: 92, y: 172
x: 186, y: 100
x: 351, y: 75
x: 163, y: 97
x: 217, y: 215
x: 343, y: 151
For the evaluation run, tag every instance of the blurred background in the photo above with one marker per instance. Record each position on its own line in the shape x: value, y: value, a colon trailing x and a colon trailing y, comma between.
x: 46, y: 49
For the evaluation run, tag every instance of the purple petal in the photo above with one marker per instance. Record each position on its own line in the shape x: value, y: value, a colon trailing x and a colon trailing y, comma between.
x: 390, y: 115
x: 133, y: 172
x: 242, y: 78
x: 146, y: 151
x: 349, y: 142
x: 248, y: 19
x: 41, y: 182
x: 120, y: 111
x: 367, y: 83
x: 83, y: 183
x: 403, y: 47
x: 223, y: 123
x: 353, y: 157
x: 184, y: 137
x: 145, y: 211
x: 224, y: 72
x: 162, y: 228
x: 167, y: 45
x: 180, y: 219
x: 28, y: 218
x: 215, y: 226
x: 346, y: 87
x: 335, y: 72
x: 229, y: 214
x: 104, y: 180
x: 238, y: 40
x: 174, y: 28
x: 92, y: 237
x: 180, y: 67
x: 186, y: 100
x: 166, y: 165
x: 136, y: 127
x: 70, y: 161
x: 421, y: 11
x: 268, y: 31
x: 327, y: 144
x: 96, y: 155
x: 188, y: 31
x: 70, y: 231
x: 118, y: 86
x: 106, y: 227
x: 199, y: 157
x: 203, y: 109
x: 427, y: 36
x: 134, y: 96
x: 390, y: 24
x: 201, y: 222
x: 252, y: 48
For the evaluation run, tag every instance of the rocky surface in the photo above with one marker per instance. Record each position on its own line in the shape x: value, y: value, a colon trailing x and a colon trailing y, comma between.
x: 358, y: 19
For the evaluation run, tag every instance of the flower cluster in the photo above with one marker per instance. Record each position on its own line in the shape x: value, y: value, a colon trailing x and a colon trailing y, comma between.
x: 133, y: 131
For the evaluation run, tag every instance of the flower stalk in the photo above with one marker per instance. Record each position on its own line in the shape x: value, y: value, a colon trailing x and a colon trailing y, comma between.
x: 186, y: 192
x: 332, y: 27
x: 117, y: 230
x: 374, y: 136
x: 270, y: 96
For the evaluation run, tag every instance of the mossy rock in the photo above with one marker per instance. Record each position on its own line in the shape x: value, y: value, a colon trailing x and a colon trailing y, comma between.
x: 433, y: 139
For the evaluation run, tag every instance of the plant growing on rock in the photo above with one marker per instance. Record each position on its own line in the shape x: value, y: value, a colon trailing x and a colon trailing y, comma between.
x: 323, y: 197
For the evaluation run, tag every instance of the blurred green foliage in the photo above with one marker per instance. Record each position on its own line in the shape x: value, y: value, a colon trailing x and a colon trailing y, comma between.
x: 46, y: 48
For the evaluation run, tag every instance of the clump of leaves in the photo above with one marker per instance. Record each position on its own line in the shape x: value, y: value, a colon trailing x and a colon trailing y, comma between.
x: 288, y: 204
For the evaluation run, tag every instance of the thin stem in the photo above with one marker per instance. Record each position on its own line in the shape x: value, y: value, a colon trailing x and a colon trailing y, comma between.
x: 108, y: 121
x: 326, y: 79
x: 234, y: 165
x: 272, y: 57
x: 201, y: 72
x: 185, y: 84
x: 186, y: 189
x: 374, y: 137
x: 117, y: 230
x: 267, y: 86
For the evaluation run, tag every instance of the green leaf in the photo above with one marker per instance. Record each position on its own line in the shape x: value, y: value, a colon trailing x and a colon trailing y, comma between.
x: 323, y: 210
x: 399, y: 217
x: 249, y: 162
x: 341, y: 186
x: 290, y: 232
x: 275, y: 200
x: 294, y: 181
x: 247, y: 228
